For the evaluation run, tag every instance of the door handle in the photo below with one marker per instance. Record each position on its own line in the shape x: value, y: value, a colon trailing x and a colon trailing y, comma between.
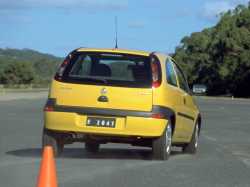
x: 184, y: 100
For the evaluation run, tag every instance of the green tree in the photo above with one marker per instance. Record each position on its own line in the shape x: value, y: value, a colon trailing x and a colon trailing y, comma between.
x: 18, y: 73
x: 44, y: 65
x: 220, y: 56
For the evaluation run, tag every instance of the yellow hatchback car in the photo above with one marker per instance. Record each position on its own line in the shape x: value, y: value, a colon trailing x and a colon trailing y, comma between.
x: 122, y: 96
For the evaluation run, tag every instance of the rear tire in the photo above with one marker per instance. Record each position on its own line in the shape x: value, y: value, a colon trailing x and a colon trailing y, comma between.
x: 161, y: 147
x: 92, y: 147
x: 192, y: 147
x: 52, y: 139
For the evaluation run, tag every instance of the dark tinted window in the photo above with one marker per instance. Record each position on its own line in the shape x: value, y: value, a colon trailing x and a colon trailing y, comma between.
x: 170, y: 73
x: 182, y: 79
x: 109, y: 69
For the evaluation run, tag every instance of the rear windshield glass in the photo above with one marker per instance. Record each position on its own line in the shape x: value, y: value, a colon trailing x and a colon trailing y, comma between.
x: 109, y: 69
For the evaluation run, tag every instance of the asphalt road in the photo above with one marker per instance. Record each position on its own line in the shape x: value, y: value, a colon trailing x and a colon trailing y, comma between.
x: 222, y: 160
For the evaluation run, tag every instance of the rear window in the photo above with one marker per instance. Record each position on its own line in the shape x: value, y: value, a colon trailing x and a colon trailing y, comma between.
x: 109, y: 69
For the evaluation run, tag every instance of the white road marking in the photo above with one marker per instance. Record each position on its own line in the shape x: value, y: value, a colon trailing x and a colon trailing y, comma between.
x: 209, y: 138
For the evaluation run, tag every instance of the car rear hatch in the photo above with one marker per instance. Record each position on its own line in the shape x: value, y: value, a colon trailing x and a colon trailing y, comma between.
x: 105, y: 80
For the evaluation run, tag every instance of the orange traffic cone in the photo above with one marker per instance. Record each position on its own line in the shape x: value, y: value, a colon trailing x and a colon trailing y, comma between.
x: 47, y: 175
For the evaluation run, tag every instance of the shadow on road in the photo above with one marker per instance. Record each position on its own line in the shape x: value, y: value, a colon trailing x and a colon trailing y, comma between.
x: 32, y: 152
x: 104, y: 153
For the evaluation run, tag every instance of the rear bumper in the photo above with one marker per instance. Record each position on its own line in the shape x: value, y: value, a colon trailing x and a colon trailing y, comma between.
x: 126, y: 126
x: 128, y: 123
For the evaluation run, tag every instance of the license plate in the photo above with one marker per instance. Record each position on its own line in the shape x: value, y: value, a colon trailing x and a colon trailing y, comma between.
x: 101, y: 122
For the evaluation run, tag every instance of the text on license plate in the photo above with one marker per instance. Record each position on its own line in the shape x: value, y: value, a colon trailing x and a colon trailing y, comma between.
x: 101, y: 122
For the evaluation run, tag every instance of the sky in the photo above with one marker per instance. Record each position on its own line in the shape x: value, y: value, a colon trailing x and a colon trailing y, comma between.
x: 59, y: 26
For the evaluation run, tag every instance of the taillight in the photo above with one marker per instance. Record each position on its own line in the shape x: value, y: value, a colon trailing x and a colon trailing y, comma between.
x: 158, y: 116
x: 62, y: 68
x: 48, y: 109
x: 50, y: 105
x: 156, y: 72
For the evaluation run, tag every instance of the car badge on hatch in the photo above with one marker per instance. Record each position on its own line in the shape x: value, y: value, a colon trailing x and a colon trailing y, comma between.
x: 104, y: 91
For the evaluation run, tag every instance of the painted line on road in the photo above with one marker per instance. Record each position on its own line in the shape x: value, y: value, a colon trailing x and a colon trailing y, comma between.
x: 222, y: 98
x: 210, y: 138
x: 6, y: 163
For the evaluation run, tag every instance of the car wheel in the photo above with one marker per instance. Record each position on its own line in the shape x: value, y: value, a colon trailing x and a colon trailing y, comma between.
x: 192, y: 147
x: 53, y: 140
x: 161, y: 147
x: 92, y: 147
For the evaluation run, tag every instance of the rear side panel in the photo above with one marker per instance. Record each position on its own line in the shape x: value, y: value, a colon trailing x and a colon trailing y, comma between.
x: 173, y: 97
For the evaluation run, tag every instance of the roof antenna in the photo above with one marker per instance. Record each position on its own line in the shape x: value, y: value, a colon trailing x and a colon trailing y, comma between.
x: 116, y: 33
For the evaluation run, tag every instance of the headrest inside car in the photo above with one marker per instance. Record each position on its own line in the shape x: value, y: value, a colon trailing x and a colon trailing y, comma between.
x: 101, y: 70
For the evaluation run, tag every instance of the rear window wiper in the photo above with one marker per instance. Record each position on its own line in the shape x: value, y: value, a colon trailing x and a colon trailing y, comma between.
x: 96, y: 79
x: 89, y: 78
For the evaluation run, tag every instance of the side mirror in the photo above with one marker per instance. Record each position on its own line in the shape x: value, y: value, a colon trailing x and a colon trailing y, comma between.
x: 199, y: 89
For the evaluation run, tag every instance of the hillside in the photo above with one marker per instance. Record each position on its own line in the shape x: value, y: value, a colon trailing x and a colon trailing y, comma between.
x: 37, y: 67
x: 220, y: 56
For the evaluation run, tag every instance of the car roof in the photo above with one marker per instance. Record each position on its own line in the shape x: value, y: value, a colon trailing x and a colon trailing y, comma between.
x: 162, y: 56
x: 115, y: 50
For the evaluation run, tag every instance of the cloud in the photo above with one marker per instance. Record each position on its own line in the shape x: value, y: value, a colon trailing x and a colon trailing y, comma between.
x: 9, y: 16
x: 136, y: 25
x: 213, y: 8
x: 65, y: 4
x: 240, y: 1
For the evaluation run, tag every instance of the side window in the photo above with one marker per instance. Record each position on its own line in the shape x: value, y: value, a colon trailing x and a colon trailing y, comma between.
x: 170, y: 73
x: 182, y: 80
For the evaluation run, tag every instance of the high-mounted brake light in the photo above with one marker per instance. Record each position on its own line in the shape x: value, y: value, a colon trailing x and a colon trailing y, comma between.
x: 158, y: 116
x: 156, y: 73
